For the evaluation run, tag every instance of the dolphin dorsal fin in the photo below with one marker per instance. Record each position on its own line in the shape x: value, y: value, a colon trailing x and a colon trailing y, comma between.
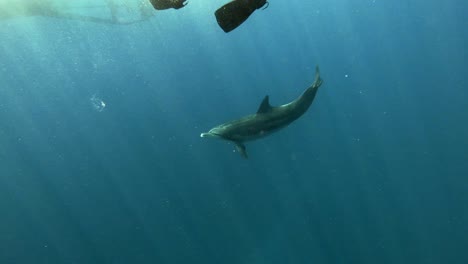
x: 265, y: 106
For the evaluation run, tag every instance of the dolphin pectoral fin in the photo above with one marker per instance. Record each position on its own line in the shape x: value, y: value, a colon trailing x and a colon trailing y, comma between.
x: 317, y: 81
x: 241, y: 149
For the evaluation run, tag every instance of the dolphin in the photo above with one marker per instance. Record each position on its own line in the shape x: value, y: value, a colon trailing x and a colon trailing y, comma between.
x: 267, y: 120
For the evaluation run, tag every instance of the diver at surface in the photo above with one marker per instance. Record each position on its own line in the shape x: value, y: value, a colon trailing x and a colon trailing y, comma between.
x: 140, y: 10
x: 229, y: 16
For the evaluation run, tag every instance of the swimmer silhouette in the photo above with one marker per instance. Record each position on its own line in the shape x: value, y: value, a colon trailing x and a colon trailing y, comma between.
x: 10, y: 9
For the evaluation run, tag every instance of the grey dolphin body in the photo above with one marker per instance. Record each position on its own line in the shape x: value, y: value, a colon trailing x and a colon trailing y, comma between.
x: 267, y: 120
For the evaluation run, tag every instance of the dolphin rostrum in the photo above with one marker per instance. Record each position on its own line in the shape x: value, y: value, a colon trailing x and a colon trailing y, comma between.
x: 267, y: 120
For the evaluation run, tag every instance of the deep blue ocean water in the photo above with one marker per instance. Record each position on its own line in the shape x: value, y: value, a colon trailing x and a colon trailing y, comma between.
x: 375, y: 172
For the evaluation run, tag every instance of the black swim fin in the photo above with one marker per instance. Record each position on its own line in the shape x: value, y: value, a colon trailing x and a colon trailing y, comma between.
x: 166, y: 4
x: 233, y: 14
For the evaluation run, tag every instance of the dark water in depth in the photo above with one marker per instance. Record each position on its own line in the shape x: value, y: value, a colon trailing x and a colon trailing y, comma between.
x: 375, y: 172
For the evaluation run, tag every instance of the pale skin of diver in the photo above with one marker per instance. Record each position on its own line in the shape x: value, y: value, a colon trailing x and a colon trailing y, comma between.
x: 75, y: 10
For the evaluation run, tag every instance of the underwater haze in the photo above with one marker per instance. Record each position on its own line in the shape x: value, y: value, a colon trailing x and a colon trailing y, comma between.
x: 101, y: 159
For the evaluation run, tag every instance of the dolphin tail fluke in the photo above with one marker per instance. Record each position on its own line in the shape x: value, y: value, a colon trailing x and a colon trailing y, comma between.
x: 241, y: 149
x: 317, y: 81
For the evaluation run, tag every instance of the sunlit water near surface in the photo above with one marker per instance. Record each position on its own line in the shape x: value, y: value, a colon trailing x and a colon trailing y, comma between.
x: 101, y: 112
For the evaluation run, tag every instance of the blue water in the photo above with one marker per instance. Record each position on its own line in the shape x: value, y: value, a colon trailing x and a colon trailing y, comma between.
x: 375, y: 172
